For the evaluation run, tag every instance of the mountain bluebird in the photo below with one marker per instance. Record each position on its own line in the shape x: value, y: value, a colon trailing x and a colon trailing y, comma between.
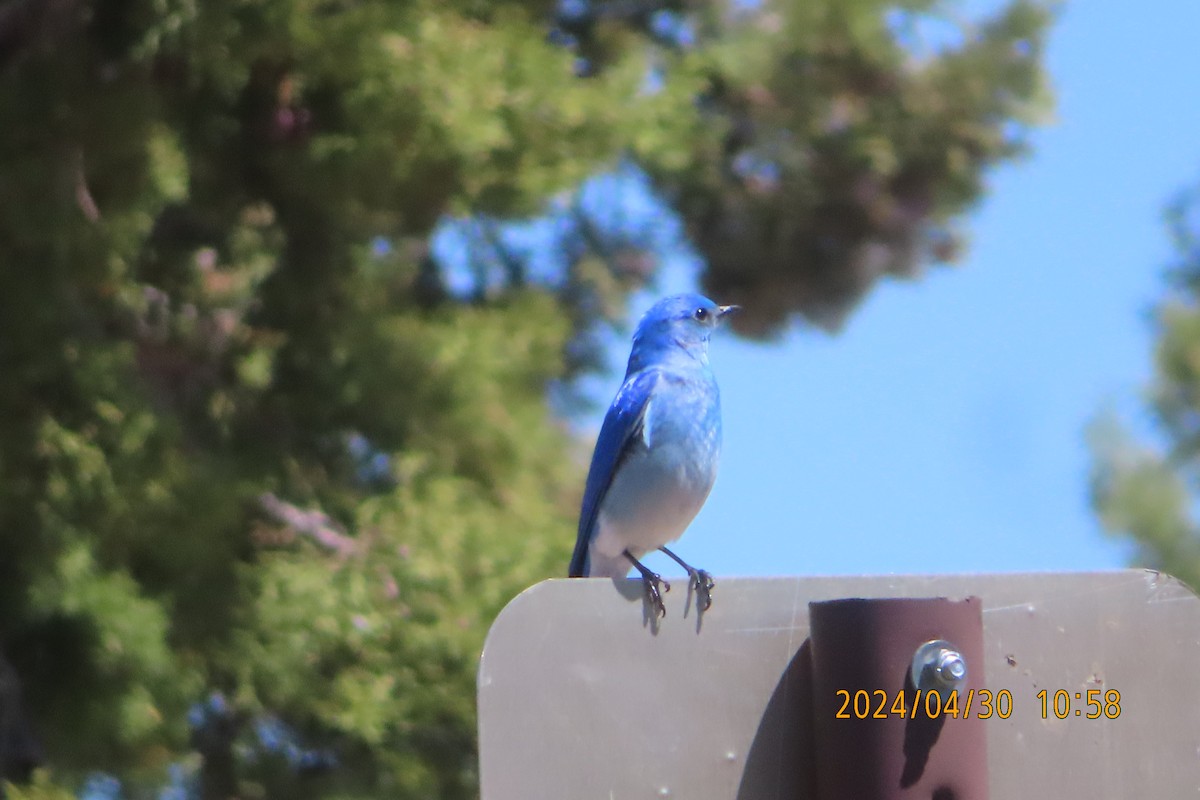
x: 656, y: 457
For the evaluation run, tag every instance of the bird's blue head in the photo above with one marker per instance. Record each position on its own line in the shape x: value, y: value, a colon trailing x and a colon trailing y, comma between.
x: 680, y: 323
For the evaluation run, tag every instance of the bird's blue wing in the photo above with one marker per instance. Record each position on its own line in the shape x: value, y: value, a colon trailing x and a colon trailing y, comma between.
x: 622, y: 429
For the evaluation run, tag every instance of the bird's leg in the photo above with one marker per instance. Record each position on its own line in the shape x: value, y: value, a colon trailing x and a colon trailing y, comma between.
x: 651, y: 581
x: 703, y: 582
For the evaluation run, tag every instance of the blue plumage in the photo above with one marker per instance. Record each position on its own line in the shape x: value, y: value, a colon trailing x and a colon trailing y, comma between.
x: 656, y: 456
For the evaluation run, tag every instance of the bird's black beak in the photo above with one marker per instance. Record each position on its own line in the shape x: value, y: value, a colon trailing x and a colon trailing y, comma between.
x: 725, y: 311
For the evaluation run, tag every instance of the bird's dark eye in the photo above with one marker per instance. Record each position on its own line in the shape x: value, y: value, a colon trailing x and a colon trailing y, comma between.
x: 701, y: 314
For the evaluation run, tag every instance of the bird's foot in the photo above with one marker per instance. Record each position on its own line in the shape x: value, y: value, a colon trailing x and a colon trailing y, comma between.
x: 700, y: 580
x: 651, y: 582
x: 703, y: 583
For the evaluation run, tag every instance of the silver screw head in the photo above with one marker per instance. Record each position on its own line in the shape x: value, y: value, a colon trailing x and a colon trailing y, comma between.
x: 937, y: 665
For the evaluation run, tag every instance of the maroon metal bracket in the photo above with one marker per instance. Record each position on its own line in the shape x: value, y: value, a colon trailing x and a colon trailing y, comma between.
x: 881, y: 733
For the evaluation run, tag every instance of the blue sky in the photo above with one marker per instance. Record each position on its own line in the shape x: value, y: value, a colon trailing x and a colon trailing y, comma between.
x: 942, y: 430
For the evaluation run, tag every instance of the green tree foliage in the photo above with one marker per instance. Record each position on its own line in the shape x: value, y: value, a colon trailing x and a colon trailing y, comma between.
x: 837, y: 142
x: 1146, y: 491
x: 41, y: 787
x: 247, y: 455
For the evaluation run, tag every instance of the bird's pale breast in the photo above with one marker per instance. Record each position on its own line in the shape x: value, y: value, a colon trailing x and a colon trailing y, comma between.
x: 665, y: 480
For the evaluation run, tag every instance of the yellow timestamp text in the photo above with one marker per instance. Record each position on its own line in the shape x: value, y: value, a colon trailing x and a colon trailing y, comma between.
x: 879, y: 704
x: 1092, y: 704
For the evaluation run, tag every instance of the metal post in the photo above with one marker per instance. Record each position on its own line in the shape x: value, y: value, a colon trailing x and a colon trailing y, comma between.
x: 884, y: 672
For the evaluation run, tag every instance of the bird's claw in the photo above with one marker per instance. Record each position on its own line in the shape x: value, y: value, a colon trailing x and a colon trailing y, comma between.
x: 704, y: 584
x: 651, y: 583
